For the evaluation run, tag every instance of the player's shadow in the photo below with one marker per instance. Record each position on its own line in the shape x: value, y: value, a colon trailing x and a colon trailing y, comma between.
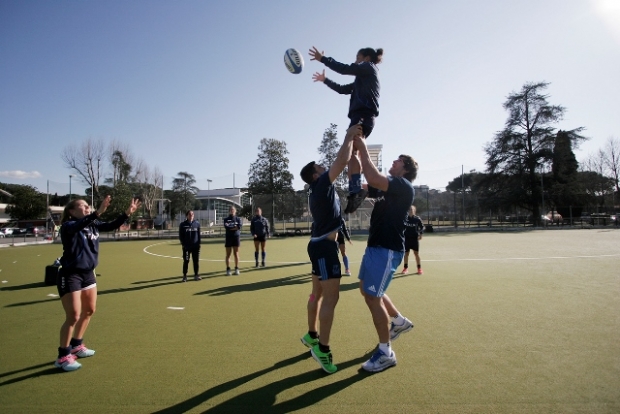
x: 263, y: 399
x: 49, y: 371
x: 24, y: 287
x: 258, y: 285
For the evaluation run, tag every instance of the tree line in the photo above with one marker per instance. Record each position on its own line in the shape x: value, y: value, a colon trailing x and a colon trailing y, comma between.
x: 527, y: 161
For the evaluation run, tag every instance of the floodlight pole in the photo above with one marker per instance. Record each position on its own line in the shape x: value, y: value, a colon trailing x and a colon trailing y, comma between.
x: 70, y: 192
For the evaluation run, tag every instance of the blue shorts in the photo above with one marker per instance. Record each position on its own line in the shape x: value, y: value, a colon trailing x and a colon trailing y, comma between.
x: 74, y: 280
x: 377, y: 268
x: 324, y: 258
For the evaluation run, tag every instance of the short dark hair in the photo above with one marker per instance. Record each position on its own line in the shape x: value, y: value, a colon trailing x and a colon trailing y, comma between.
x: 307, y: 173
x: 375, y: 55
x: 411, y: 166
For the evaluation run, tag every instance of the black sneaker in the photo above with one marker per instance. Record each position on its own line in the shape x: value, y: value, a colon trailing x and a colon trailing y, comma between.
x: 184, y: 279
x: 355, y: 201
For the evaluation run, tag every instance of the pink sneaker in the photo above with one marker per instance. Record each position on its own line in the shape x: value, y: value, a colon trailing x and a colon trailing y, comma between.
x: 67, y: 363
x: 82, y: 352
x: 420, y: 271
x: 405, y: 271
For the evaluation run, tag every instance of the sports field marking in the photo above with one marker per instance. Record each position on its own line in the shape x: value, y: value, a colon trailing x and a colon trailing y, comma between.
x: 524, y: 258
x: 175, y: 308
x: 145, y: 250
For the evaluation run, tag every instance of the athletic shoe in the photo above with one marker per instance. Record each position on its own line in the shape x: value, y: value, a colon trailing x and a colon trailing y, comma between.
x: 256, y: 264
x: 379, y: 361
x: 309, y: 341
x: 420, y: 271
x: 262, y: 264
x: 227, y: 272
x: 81, y: 351
x: 197, y: 278
x: 184, y: 279
x: 396, y: 330
x: 324, y: 359
x: 236, y: 271
x: 67, y: 363
x: 347, y: 272
x: 355, y: 201
x: 405, y: 271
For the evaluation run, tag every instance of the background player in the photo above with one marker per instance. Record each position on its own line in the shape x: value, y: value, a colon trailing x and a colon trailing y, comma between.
x: 189, y: 235
x: 259, y: 227
x: 343, y: 234
x: 413, y: 234
x: 232, y: 224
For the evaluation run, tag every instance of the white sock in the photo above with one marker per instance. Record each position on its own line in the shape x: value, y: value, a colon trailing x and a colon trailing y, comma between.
x: 385, y: 348
x: 398, y: 319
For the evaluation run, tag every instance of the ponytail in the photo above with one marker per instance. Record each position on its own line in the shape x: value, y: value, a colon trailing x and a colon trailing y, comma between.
x: 375, y: 55
x: 66, y: 214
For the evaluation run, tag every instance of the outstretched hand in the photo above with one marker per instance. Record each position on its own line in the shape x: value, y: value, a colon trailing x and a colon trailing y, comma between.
x: 104, y: 204
x: 319, y: 77
x: 315, y: 54
x: 135, y: 205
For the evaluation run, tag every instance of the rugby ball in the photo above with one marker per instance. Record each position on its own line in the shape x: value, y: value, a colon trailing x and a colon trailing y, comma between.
x: 293, y: 61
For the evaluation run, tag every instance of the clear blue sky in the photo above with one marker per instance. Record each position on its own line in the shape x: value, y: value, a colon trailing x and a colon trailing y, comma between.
x: 195, y: 85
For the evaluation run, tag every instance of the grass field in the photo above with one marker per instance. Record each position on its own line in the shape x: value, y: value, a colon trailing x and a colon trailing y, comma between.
x: 510, y: 322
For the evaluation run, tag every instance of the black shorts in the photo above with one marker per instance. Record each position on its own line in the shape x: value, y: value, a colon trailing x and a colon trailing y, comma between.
x: 412, y: 244
x: 232, y: 241
x: 74, y: 280
x: 260, y: 238
x: 368, y: 124
x: 325, y: 260
x: 340, y: 238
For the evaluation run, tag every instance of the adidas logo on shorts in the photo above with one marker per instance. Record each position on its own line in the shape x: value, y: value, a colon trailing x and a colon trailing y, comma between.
x: 372, y: 289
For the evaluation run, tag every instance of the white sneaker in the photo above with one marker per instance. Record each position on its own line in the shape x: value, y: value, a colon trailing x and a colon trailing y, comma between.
x: 379, y: 361
x: 396, y: 330
x: 81, y: 351
x: 236, y: 271
x: 228, y: 272
x: 67, y: 363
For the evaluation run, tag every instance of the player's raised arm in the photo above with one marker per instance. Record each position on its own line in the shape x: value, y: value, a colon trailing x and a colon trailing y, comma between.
x: 344, y: 154
x: 373, y: 176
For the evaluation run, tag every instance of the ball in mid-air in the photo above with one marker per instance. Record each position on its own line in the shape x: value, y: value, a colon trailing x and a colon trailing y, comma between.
x: 293, y: 61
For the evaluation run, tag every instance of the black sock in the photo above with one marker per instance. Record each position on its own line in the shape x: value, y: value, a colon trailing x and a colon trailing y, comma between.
x: 419, y: 266
x: 75, y: 342
x: 313, y: 335
x: 406, y: 265
x: 63, y: 352
x: 323, y: 348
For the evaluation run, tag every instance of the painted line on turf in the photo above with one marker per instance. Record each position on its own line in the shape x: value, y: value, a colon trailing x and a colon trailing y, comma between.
x: 175, y: 308
x: 145, y: 250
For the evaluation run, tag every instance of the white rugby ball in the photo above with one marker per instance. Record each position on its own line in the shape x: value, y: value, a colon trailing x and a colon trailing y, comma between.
x: 293, y: 61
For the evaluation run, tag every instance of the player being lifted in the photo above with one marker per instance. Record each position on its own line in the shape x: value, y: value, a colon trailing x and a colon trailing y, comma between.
x: 363, y: 104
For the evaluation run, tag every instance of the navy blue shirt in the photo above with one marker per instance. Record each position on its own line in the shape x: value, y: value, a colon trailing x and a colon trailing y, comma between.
x: 232, y: 224
x: 259, y: 226
x: 189, y: 234
x: 80, y: 240
x: 324, y: 207
x: 387, y: 221
x: 413, y: 227
x: 364, y: 90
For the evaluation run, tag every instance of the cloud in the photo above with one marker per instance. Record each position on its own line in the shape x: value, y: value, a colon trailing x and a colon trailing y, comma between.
x: 20, y: 175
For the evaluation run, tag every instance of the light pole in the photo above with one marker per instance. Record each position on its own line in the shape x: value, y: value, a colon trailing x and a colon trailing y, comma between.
x: 70, y: 193
x: 209, y: 198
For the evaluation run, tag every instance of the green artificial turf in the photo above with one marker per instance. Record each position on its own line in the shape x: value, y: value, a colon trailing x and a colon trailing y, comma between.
x: 514, y: 322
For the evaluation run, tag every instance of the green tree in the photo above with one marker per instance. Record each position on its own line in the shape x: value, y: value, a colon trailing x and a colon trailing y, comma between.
x: 184, y: 192
x: 26, y: 204
x: 565, y: 190
x: 329, y: 151
x: 269, y: 174
x: 526, y: 143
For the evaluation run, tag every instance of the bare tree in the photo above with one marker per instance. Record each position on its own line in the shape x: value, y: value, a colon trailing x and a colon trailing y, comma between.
x: 87, y: 161
x: 150, y: 183
x: 612, y: 160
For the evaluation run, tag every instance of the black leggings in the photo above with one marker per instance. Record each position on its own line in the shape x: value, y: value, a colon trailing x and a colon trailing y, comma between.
x: 195, y: 253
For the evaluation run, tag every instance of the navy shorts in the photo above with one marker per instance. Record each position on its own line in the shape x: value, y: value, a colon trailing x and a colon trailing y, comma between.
x: 340, y: 238
x: 260, y: 238
x: 367, y: 125
x: 412, y: 244
x: 74, y: 280
x: 324, y: 258
x: 232, y: 241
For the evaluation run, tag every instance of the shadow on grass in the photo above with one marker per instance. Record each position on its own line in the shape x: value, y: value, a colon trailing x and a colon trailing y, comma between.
x: 50, y: 371
x: 24, y: 287
x: 263, y: 399
x: 259, y: 285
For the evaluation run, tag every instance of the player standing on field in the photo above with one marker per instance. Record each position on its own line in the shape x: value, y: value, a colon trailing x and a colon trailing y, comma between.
x: 363, y: 104
x: 413, y: 234
x: 343, y: 233
x: 385, y: 249
x: 323, y: 250
x: 77, y: 286
x: 189, y: 235
x: 259, y: 227
x: 232, y: 225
